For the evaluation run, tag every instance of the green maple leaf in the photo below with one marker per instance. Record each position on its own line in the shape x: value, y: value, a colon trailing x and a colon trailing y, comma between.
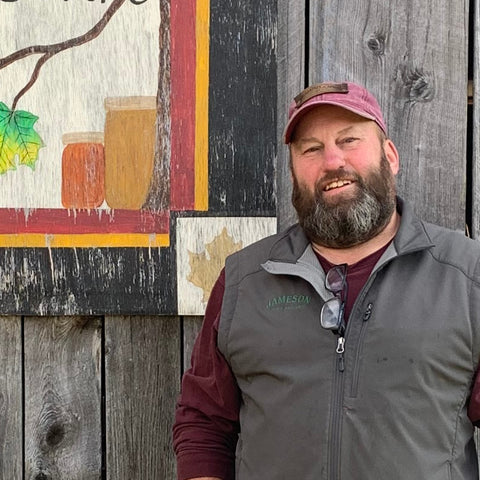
x: 18, y: 139
x: 7, y: 150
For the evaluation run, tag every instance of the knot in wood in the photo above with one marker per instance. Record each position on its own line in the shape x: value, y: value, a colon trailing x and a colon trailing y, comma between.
x: 419, y: 87
x: 55, y: 434
x: 41, y: 476
x: 376, y: 44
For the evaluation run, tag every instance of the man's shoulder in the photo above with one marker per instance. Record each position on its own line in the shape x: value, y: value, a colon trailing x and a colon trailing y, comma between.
x: 264, y: 246
x: 284, y: 245
x: 449, y: 238
x: 454, y: 247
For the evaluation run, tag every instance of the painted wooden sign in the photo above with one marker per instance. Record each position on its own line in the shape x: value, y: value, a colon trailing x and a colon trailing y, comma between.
x: 119, y: 118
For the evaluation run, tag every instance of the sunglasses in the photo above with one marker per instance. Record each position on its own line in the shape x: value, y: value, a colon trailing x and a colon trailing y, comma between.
x: 332, y: 314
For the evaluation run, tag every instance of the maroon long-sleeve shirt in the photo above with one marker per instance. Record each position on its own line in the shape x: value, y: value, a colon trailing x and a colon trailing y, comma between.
x: 206, y: 423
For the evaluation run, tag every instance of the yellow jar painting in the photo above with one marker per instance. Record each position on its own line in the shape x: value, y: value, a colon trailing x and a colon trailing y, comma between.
x: 129, y: 150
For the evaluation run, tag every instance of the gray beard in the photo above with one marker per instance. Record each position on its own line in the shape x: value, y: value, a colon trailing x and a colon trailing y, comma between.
x: 353, y: 221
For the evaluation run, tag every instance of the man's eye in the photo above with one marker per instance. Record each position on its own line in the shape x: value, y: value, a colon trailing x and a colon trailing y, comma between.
x: 312, y: 149
x: 349, y: 140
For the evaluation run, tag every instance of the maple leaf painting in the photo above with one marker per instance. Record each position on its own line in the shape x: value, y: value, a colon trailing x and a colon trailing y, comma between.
x: 206, y: 266
x: 19, y: 142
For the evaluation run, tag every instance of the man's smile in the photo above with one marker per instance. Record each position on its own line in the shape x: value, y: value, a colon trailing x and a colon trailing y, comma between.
x: 337, y: 184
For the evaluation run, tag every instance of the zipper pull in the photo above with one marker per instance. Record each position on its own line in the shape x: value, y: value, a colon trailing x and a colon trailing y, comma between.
x: 340, y: 345
x: 340, y: 349
x: 368, y: 312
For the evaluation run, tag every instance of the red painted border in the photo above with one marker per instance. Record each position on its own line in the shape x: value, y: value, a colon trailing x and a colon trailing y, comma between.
x: 182, y: 74
x: 63, y: 221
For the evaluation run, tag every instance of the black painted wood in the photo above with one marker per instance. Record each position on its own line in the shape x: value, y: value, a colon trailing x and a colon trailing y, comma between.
x: 89, y: 281
x: 242, y: 138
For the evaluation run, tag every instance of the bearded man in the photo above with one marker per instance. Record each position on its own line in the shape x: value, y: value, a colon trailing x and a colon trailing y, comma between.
x: 347, y: 346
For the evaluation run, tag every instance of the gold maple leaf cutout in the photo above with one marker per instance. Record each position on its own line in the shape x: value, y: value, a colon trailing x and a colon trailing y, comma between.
x: 205, y: 267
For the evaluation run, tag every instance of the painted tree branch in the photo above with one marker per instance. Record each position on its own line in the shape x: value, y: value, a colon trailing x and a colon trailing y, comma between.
x: 49, y: 51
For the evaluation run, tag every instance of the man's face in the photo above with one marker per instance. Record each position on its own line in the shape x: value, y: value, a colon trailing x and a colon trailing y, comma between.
x: 343, y: 177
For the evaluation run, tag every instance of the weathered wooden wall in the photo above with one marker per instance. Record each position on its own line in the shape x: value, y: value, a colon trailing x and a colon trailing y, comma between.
x: 93, y: 397
x: 88, y: 397
x: 414, y: 56
x: 474, y: 187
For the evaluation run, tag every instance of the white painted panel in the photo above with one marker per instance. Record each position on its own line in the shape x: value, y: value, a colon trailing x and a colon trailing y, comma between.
x: 69, y: 93
x: 202, y: 245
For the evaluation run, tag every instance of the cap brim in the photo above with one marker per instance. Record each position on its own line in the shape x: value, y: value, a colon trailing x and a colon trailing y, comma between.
x: 295, y: 118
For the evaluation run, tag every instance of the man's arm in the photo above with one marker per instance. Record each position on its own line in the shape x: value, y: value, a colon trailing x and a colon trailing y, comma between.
x: 474, y: 402
x: 206, y: 422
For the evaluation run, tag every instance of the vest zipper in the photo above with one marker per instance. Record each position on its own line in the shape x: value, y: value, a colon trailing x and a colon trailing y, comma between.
x: 340, y: 349
x: 337, y: 400
x: 336, y: 419
x: 339, y: 386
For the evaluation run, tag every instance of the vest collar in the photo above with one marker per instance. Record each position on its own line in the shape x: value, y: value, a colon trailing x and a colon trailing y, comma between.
x: 292, y: 253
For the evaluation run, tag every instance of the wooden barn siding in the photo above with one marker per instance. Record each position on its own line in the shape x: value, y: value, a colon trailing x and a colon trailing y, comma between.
x: 89, y: 397
x: 93, y: 397
x: 414, y: 57
x: 475, y: 131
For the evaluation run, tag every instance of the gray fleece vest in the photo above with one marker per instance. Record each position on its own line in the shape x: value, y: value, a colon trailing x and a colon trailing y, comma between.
x: 398, y: 407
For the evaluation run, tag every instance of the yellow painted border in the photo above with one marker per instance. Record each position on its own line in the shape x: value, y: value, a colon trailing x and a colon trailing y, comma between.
x: 113, y: 240
x: 202, y: 35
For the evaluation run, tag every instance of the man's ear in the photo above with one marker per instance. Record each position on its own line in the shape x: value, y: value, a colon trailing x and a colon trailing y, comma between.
x: 290, y: 161
x: 391, y: 153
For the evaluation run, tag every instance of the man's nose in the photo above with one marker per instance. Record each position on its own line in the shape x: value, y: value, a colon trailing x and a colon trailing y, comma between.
x: 334, y: 158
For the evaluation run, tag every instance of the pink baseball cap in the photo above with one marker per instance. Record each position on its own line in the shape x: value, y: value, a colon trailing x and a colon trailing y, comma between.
x: 347, y: 95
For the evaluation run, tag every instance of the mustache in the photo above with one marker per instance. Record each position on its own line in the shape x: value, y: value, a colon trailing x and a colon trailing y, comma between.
x: 340, y: 174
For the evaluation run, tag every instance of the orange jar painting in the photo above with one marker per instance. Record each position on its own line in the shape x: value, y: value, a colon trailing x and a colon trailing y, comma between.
x: 129, y: 150
x: 83, y: 170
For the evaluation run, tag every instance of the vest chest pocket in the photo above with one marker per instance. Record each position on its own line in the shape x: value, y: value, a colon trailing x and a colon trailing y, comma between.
x: 278, y: 335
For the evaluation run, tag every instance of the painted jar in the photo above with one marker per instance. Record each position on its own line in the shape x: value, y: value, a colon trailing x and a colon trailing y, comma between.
x: 129, y: 150
x: 83, y: 170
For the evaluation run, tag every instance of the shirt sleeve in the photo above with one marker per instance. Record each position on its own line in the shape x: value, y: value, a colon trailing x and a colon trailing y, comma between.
x: 206, y: 425
x: 474, y: 402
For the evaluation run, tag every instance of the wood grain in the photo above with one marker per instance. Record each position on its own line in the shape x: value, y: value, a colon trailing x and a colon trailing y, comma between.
x: 11, y: 404
x: 142, y: 372
x: 413, y: 56
x: 191, y: 328
x: 476, y: 128
x: 62, y: 398
x: 87, y: 281
x: 242, y: 118
x: 291, y: 80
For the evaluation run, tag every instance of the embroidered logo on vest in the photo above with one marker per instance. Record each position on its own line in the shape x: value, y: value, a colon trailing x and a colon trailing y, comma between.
x: 284, y: 302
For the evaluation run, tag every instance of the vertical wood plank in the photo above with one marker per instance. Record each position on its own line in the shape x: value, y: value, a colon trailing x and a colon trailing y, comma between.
x: 476, y: 126
x: 413, y: 56
x: 191, y: 327
x: 242, y: 107
x: 142, y: 373
x: 11, y: 408
x: 290, y: 81
x: 62, y: 398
